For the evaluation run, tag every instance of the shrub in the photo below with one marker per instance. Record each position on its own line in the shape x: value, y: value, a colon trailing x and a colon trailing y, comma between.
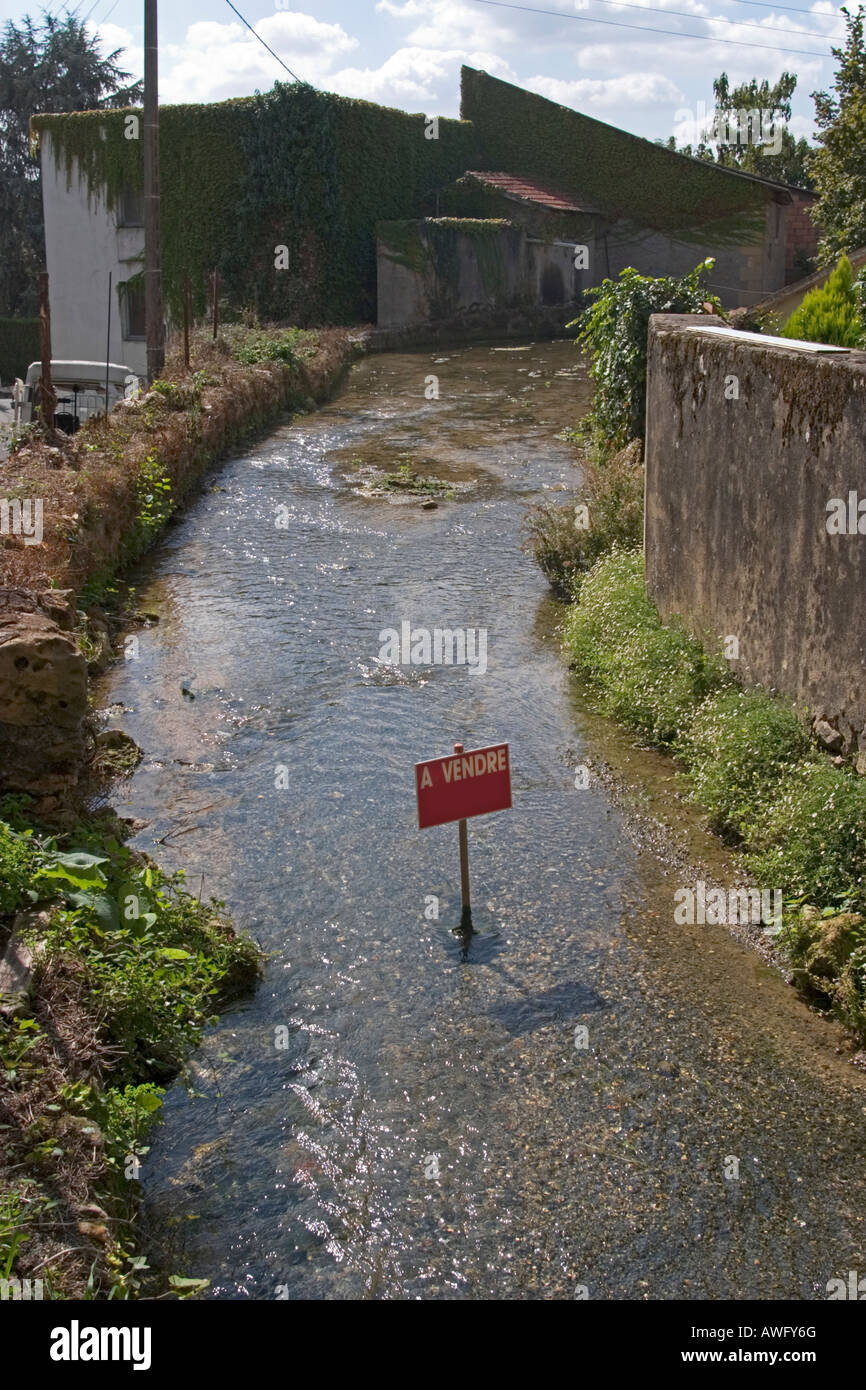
x: 614, y: 331
x: 649, y: 675
x: 812, y: 840
x: 612, y: 494
x: 158, y: 960
x: 251, y: 344
x: 831, y: 313
x: 740, y: 743
x: 19, y: 858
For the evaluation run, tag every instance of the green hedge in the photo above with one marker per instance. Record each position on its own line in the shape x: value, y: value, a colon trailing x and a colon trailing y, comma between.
x: 19, y: 346
x: 294, y: 167
x: 621, y: 174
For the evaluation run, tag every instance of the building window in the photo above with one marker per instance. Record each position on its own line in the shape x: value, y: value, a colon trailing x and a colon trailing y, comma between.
x: 130, y: 211
x: 132, y: 310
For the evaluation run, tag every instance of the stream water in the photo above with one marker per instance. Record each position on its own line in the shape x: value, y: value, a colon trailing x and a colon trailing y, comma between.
x: 393, y: 1114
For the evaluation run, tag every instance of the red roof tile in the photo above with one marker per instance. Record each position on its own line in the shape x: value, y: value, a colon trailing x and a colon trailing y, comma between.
x: 526, y: 189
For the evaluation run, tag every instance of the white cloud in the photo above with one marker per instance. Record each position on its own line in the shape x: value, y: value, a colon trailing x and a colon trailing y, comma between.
x: 417, y: 75
x: 598, y: 56
x: 451, y: 23
x: 217, y: 61
x: 587, y: 93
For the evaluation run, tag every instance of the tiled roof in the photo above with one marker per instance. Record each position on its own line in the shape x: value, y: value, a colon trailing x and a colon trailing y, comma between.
x: 526, y: 189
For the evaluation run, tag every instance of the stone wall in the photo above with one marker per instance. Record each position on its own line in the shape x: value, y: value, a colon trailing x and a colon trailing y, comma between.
x: 747, y: 444
x: 43, y: 694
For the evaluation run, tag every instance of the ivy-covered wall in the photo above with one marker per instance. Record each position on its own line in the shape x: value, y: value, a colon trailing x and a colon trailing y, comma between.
x: 19, y: 346
x: 625, y: 177
x: 315, y: 172
x: 294, y: 167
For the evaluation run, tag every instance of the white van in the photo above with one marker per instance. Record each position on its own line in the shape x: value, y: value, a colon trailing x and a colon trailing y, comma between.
x: 80, y: 390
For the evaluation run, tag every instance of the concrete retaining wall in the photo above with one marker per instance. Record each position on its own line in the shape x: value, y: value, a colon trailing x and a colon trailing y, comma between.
x: 747, y: 444
x: 439, y: 274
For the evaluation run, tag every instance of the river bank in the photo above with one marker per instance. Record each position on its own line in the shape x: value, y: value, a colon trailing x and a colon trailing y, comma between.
x: 392, y: 1114
x: 111, y: 967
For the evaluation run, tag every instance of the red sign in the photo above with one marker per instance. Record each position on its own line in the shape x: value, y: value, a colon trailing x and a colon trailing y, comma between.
x: 462, y: 785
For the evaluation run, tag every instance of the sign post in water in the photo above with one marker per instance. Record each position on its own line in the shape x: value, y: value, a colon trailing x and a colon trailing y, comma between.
x: 462, y: 785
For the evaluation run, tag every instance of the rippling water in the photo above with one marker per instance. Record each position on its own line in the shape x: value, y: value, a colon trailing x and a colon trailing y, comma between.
x: 392, y: 1115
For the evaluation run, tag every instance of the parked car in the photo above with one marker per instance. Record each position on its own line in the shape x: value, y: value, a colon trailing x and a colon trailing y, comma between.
x: 80, y: 391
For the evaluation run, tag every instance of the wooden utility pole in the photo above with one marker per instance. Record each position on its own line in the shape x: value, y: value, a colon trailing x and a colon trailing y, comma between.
x: 187, y: 317
x: 153, y: 310
x: 108, y: 345
x: 47, y: 397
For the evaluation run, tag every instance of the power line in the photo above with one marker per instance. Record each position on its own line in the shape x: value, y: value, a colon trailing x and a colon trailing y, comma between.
x: 766, y: 5
x: 707, y: 19
x: 262, y: 42
x: 646, y: 29
x: 106, y: 17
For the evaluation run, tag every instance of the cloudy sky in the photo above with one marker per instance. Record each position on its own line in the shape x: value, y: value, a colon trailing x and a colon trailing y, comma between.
x: 630, y: 64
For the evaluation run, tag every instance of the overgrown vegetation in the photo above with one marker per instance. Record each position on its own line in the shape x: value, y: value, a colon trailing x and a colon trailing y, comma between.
x: 614, y: 333
x: 607, y: 168
x: 837, y: 166
x: 406, y: 480
x: 648, y: 675
x: 798, y: 819
x: 607, y: 510
x: 832, y: 313
x: 253, y: 344
x: 130, y: 965
x: 19, y: 346
x: 112, y: 487
x: 293, y: 167
x: 130, y: 969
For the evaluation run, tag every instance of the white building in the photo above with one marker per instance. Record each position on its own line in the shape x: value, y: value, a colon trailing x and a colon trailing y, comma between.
x: 84, y: 242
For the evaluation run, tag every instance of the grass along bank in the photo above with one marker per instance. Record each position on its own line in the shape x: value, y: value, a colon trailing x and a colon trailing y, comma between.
x: 798, y: 819
x: 108, y: 491
x: 128, y: 966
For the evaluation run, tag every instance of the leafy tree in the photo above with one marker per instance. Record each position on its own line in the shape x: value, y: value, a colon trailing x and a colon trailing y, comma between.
x: 839, y: 166
x: 831, y: 313
x: 52, y: 64
x: 755, y: 150
x: 755, y: 115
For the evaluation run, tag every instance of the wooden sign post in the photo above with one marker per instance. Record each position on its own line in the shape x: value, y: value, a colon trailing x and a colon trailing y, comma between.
x: 459, y: 786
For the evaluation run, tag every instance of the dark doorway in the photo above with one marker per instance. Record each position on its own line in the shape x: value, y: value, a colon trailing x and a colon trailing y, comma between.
x: 552, y: 286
